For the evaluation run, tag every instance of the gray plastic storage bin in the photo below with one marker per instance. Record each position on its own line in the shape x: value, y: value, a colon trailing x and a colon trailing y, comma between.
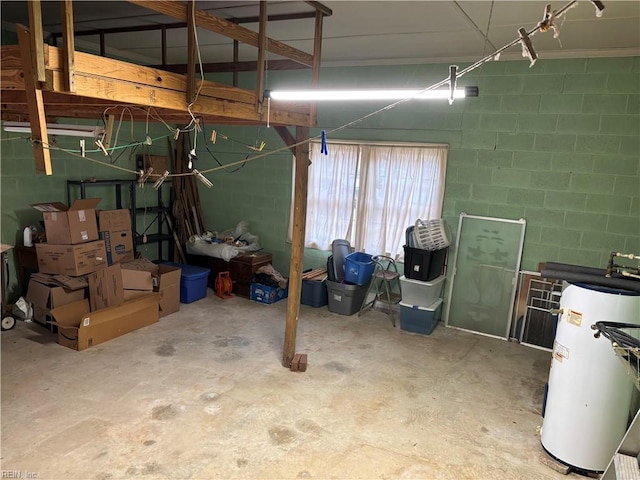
x: 345, y: 299
x: 421, y: 294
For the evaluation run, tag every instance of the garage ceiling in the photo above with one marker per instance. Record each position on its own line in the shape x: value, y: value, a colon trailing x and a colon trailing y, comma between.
x: 360, y: 32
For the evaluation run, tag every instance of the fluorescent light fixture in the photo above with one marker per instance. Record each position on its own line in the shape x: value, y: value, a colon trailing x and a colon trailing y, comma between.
x: 56, y: 129
x: 351, y: 95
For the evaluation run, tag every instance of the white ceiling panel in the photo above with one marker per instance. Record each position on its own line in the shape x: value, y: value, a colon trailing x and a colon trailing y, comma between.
x: 366, y: 32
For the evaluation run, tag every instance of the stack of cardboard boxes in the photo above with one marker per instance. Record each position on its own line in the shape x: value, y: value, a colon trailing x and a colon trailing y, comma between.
x: 80, y: 286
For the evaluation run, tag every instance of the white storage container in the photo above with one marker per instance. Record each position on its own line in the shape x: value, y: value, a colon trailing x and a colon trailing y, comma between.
x: 421, y: 294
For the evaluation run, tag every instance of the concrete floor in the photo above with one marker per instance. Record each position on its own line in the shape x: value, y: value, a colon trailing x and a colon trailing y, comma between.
x: 202, y: 394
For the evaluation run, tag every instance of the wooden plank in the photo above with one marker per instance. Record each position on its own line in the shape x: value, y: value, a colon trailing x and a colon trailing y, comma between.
x: 37, y: 38
x: 297, y: 244
x: 163, y: 38
x: 262, y: 50
x: 320, y: 7
x: 191, y: 52
x: 317, y: 55
x: 35, y: 105
x: 108, y: 131
x: 68, y: 46
x: 236, y: 57
x: 224, y: 27
x: 89, y: 64
x: 233, y: 67
x: 286, y: 137
x: 115, y: 90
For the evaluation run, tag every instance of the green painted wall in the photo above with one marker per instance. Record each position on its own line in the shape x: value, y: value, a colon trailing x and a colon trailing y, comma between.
x: 557, y: 144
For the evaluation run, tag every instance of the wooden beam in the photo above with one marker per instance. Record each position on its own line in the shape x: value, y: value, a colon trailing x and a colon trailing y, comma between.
x: 108, y: 131
x: 103, y: 44
x: 68, y: 46
x: 236, y: 57
x: 102, y: 81
x: 262, y: 50
x: 297, y: 244
x: 288, y: 139
x: 191, y: 52
x: 320, y: 7
x: 37, y: 39
x: 235, y: 66
x: 35, y: 105
x: 224, y: 27
x: 163, y: 34
x: 317, y: 55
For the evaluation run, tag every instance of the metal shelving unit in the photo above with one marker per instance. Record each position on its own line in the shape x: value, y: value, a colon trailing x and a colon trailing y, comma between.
x: 126, y: 196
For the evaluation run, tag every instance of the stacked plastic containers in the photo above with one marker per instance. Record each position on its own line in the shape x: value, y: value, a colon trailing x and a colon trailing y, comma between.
x: 348, y: 277
x: 424, y: 275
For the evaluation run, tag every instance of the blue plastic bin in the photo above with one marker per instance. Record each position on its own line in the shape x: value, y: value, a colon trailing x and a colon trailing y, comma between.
x: 193, y: 282
x: 358, y: 268
x: 420, y: 319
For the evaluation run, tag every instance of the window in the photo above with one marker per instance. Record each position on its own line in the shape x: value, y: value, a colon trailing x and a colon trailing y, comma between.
x: 370, y: 193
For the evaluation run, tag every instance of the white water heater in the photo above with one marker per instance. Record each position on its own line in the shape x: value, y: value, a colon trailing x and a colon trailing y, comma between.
x: 589, y: 392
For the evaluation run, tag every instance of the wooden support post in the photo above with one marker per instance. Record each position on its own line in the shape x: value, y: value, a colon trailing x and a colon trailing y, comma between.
x: 163, y: 31
x: 35, y: 105
x: 262, y: 50
x: 191, y: 52
x: 68, y: 46
x: 315, y: 69
x: 103, y: 44
x: 37, y: 39
x: 297, y: 244
x: 236, y: 57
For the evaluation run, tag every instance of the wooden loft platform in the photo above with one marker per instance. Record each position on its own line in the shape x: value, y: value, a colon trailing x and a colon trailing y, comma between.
x: 103, y: 82
x: 40, y: 81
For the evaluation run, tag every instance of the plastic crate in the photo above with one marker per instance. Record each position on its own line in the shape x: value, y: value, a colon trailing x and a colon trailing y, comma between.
x: 424, y: 265
x: 419, y: 293
x: 193, y: 282
x: 345, y: 299
x: 420, y: 319
x: 358, y: 268
x: 314, y: 293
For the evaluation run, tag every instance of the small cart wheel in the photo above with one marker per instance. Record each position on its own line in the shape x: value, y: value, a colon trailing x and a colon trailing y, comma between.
x: 8, y: 322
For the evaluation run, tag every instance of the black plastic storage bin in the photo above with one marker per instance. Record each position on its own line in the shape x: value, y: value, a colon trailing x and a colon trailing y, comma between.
x: 424, y: 265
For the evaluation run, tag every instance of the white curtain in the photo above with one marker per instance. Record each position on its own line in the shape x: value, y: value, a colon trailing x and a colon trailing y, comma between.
x: 369, y: 194
x: 331, y: 197
x: 398, y: 184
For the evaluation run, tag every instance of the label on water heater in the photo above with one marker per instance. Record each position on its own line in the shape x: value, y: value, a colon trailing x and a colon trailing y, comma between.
x: 574, y: 318
x: 560, y: 352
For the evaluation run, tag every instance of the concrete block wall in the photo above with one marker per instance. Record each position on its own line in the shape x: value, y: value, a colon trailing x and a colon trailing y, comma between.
x: 557, y: 144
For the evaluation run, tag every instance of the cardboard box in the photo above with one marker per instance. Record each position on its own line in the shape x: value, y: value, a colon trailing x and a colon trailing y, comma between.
x: 115, y: 229
x: 138, y: 274
x: 78, y: 328
x: 158, y: 163
x: 70, y: 225
x: 267, y: 293
x: 114, y: 220
x: 143, y: 274
x: 105, y: 288
x: 71, y: 260
x: 118, y: 245
x: 169, y: 288
x: 45, y: 297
